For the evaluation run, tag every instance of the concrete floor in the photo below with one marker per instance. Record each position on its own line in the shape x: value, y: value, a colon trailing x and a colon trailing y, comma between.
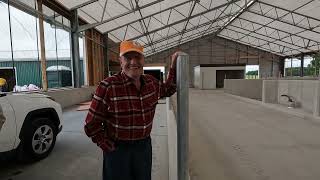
x: 234, y: 139
x: 76, y: 157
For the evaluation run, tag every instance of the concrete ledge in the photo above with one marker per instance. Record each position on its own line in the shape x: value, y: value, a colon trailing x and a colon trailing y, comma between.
x: 71, y: 96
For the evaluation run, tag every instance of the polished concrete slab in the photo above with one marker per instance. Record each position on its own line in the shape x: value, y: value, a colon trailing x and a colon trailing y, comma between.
x: 76, y: 157
x: 235, y: 139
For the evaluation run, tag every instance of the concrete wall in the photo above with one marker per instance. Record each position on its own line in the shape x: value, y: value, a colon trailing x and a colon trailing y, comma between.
x: 269, y: 68
x: 304, y: 92
x: 197, y: 77
x: 270, y: 91
x: 206, y: 77
x: 71, y: 96
x: 250, y: 88
x: 221, y: 51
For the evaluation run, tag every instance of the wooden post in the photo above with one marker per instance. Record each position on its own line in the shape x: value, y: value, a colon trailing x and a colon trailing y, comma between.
x: 42, y: 49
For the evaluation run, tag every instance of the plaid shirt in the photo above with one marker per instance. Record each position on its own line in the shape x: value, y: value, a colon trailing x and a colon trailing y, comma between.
x: 120, y: 112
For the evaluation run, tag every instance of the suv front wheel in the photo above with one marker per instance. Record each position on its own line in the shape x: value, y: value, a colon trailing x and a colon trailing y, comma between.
x: 39, y: 139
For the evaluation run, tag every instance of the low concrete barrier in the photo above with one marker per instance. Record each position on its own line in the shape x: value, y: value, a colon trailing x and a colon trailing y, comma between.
x: 250, y: 88
x: 305, y: 93
x: 71, y: 96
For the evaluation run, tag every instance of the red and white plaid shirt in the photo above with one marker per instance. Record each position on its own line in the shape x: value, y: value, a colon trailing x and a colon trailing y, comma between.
x: 120, y: 112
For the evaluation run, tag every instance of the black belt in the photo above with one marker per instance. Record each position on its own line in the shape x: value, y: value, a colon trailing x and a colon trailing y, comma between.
x: 132, y: 142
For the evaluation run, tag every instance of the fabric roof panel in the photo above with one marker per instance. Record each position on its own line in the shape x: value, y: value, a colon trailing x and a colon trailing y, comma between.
x: 94, y: 10
x: 150, y: 10
x: 132, y: 32
x: 287, y: 4
x: 143, y: 40
x: 175, y: 16
x: 285, y: 27
x: 153, y: 24
x: 163, y: 17
x: 107, y: 26
x: 185, y: 9
x: 211, y: 15
x: 177, y: 27
x: 255, y: 18
x: 226, y: 33
x: 310, y: 35
x: 194, y: 21
x: 113, y: 9
x: 119, y: 33
x: 71, y: 3
x: 311, y: 9
x: 294, y: 19
x: 197, y: 9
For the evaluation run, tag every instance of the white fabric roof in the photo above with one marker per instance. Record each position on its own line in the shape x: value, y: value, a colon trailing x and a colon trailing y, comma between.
x: 283, y: 27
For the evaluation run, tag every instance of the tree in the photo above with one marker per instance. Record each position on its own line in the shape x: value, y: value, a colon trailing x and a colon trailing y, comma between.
x: 252, y: 72
x: 315, y: 64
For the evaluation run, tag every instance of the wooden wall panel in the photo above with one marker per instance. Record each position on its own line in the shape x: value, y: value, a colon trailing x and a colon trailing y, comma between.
x: 95, y: 60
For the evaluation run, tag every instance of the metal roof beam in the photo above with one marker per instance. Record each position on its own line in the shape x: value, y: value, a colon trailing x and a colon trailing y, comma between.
x: 264, y: 35
x: 224, y: 45
x: 309, y: 17
x: 279, y: 18
x: 218, y: 17
x: 278, y: 30
x: 261, y: 40
x: 188, y: 19
x: 142, y: 23
x: 192, y: 37
x: 199, y: 35
x: 182, y: 20
x: 252, y: 45
x: 180, y: 4
x: 191, y: 29
x: 242, y: 9
x: 89, y: 26
x: 175, y: 43
x: 204, y: 32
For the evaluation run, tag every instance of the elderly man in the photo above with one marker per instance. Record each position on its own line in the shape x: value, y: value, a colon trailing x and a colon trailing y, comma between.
x: 121, y: 114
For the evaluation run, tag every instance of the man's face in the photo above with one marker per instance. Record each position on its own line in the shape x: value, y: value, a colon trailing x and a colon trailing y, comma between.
x: 132, y: 64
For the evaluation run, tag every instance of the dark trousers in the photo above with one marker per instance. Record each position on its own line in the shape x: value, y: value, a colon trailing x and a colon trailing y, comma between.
x: 132, y: 160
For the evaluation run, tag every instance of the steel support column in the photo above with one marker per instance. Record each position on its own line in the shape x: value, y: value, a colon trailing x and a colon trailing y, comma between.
x: 42, y: 49
x: 301, y: 67
x: 183, y: 115
x: 75, y: 56
x: 105, y: 55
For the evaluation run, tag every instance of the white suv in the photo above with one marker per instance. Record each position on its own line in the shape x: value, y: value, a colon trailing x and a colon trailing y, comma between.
x: 30, y: 124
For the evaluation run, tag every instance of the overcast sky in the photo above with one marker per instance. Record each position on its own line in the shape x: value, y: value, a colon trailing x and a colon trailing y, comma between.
x: 24, y: 36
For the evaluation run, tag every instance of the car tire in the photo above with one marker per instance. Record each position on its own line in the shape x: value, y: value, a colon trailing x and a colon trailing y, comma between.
x: 38, y: 140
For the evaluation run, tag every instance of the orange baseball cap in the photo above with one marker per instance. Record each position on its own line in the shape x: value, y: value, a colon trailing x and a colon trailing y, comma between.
x: 127, y: 46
